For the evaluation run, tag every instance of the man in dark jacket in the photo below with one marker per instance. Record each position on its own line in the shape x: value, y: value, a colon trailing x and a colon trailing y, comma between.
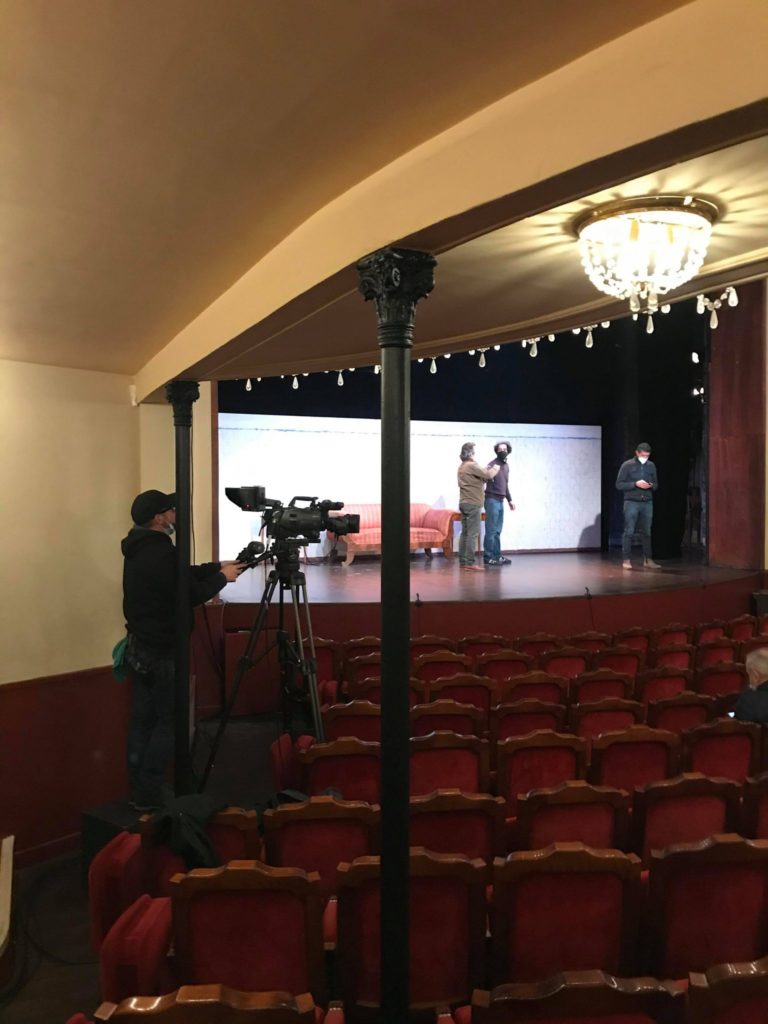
x: 637, y: 480
x: 752, y: 705
x: 149, y: 606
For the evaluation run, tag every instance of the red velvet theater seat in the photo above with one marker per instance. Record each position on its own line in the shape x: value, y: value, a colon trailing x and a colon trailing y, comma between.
x: 706, y: 632
x: 674, y: 656
x: 684, y: 711
x: 525, y: 716
x: 319, y: 834
x: 217, y: 1004
x: 565, y: 908
x: 598, y: 685
x: 360, y: 667
x: 590, y: 641
x: 660, y: 683
x: 536, y: 686
x: 350, y: 766
x: 608, y: 715
x: 574, y: 811
x: 466, y: 688
x: 578, y: 997
x: 717, y: 652
x: 503, y: 665
x: 724, y: 749
x: 234, y: 835
x: 446, y: 928
x: 685, y: 809
x: 723, y: 679
x: 673, y: 633
x: 251, y: 927
x: 730, y: 994
x: 633, y: 757
x: 359, y: 718
x: 444, y: 760
x: 470, y: 824
x: 482, y: 643
x: 133, y: 955
x: 707, y: 904
x: 369, y: 688
x: 627, y: 660
x: 447, y: 716
x: 741, y: 628
x: 638, y: 637
x: 567, y: 662
x: 428, y: 644
x: 440, y: 663
x: 537, y: 643
x: 115, y: 880
x: 537, y: 761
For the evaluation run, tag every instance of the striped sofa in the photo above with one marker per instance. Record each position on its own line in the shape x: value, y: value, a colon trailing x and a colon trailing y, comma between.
x: 429, y: 528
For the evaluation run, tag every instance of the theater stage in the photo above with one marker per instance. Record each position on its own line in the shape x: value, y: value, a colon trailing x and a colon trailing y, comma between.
x: 560, y: 592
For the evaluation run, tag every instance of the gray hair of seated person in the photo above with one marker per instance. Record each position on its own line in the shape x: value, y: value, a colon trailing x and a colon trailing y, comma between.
x: 756, y: 664
x: 467, y: 451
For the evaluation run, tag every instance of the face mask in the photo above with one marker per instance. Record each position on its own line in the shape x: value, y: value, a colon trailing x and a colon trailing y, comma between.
x: 642, y: 459
x: 169, y: 528
x: 501, y: 454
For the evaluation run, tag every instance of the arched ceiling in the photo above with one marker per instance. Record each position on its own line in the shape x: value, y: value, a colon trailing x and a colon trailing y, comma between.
x: 153, y: 155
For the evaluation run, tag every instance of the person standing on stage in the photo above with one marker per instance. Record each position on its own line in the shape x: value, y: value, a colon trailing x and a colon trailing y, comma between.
x: 472, y: 479
x: 149, y: 606
x: 637, y: 480
x: 496, y: 493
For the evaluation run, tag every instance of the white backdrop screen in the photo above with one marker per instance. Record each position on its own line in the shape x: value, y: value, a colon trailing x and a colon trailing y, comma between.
x: 554, y: 472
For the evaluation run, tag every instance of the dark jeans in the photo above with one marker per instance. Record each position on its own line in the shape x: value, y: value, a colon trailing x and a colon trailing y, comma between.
x: 151, y: 729
x: 638, y: 516
x: 494, y: 520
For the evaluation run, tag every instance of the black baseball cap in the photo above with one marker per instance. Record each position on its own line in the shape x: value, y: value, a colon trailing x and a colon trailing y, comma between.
x: 149, y: 503
x: 643, y: 447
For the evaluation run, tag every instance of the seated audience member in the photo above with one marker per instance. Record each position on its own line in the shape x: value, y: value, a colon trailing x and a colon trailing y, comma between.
x: 752, y: 705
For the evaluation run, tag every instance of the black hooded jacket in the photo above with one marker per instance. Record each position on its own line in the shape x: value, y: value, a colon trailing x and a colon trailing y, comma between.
x: 149, y: 587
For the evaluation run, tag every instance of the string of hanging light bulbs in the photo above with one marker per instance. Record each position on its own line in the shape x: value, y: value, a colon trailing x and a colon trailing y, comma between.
x: 703, y: 304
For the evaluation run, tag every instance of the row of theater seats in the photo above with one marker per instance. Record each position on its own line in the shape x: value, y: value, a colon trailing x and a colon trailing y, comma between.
x: 501, y: 684
x: 467, y: 705
x: 623, y: 759
x: 726, y: 994
x: 334, y: 656
x: 567, y: 662
x: 566, y: 907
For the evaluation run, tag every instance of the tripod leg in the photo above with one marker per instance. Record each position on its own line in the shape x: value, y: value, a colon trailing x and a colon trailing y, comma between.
x: 244, y: 663
x: 309, y: 668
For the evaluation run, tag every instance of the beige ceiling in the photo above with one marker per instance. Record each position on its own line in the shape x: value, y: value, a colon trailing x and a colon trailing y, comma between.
x: 151, y: 153
x: 525, y: 279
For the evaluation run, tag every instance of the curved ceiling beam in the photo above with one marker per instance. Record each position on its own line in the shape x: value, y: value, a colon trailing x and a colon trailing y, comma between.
x: 665, y: 75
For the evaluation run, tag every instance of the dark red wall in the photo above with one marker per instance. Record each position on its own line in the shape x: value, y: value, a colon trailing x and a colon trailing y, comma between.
x: 62, y: 750
x: 737, y: 432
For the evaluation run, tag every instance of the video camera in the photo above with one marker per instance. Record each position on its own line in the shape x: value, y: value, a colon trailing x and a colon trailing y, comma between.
x: 284, y: 522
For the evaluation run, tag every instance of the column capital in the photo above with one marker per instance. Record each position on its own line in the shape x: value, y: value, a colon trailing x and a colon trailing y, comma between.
x: 181, y: 394
x: 396, y: 279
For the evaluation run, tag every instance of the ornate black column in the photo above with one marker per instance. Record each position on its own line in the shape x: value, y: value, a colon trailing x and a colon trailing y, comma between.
x: 396, y: 279
x: 181, y: 394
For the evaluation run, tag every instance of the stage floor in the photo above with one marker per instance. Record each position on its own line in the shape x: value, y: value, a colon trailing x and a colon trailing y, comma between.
x: 548, y: 575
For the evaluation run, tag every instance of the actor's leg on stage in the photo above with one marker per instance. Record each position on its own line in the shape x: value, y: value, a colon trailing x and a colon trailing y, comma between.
x: 631, y: 511
x: 494, y: 520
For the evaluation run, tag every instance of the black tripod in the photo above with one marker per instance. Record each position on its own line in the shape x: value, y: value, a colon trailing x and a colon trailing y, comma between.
x: 291, y: 654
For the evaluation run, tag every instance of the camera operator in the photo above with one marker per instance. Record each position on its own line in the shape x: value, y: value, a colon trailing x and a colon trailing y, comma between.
x: 149, y: 606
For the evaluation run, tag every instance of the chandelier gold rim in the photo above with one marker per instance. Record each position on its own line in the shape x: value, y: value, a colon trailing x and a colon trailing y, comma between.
x: 647, y: 204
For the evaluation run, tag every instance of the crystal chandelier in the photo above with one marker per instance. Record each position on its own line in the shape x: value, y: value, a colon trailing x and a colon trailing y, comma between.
x: 640, y: 249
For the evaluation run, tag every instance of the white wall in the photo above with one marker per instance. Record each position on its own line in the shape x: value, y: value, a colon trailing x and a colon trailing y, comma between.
x: 554, y: 471
x: 69, y: 467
